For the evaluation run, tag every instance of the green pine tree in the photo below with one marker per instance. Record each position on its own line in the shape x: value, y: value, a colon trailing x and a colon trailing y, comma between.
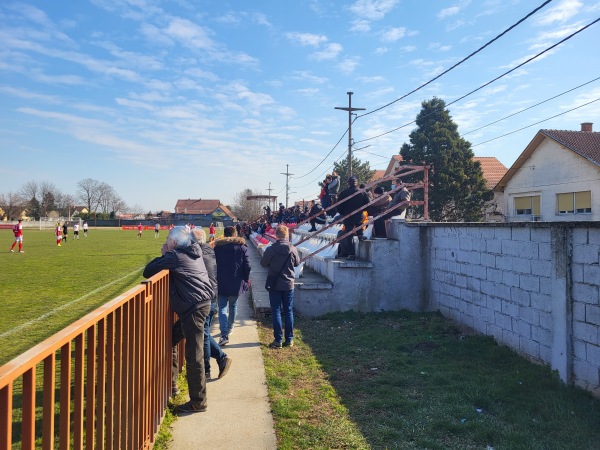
x: 361, y: 170
x: 457, y: 191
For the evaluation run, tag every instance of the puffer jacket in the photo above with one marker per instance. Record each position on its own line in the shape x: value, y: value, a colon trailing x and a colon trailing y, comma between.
x: 275, y: 257
x: 233, y: 266
x: 189, y: 287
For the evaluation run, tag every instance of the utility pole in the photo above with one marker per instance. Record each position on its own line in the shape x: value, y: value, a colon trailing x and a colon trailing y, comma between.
x: 350, y: 109
x: 287, y: 186
x: 271, y: 200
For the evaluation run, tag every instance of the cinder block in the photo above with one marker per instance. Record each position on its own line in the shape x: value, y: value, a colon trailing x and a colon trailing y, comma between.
x: 522, y: 328
x: 522, y: 266
x: 487, y: 314
x: 520, y: 297
x: 544, y: 251
x: 529, y: 347
x: 586, y: 254
x: 546, y: 353
x: 510, y: 247
x: 522, y: 233
x: 577, y: 273
x: 544, y: 337
x: 594, y: 236
x: 479, y: 272
x: 504, y: 262
x: 585, y: 332
x: 510, y: 278
x: 511, y: 339
x: 493, y: 274
x: 473, y: 284
x: 487, y: 259
x: 503, y: 321
x: 510, y: 309
x: 465, y: 243
x: 546, y: 321
x: 493, y: 246
x: 586, y: 372
x: 541, y: 302
x: 494, y: 331
x: 580, y: 236
x: 502, y: 233
x: 592, y: 313
x: 530, y: 283
x: 579, y: 350
x: 541, y: 268
x: 540, y: 234
x: 528, y: 250
x: 585, y: 293
x: 593, y: 354
x: 591, y: 274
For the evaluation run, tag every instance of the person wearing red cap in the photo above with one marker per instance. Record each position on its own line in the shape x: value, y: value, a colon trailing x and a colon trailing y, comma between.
x: 18, y: 232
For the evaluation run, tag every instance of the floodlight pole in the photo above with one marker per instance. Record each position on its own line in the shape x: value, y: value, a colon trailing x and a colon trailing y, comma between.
x: 350, y: 109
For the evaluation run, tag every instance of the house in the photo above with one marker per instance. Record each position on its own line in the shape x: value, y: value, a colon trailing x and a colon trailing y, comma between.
x: 377, y: 175
x: 556, y: 178
x: 493, y: 171
x: 202, y: 209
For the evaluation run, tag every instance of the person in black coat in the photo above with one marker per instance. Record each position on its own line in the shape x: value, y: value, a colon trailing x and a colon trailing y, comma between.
x: 320, y: 219
x: 233, y: 278
x: 347, y: 205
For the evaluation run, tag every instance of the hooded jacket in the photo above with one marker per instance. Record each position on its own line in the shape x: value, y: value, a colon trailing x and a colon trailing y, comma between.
x: 233, y: 265
x: 275, y: 257
x: 189, y: 286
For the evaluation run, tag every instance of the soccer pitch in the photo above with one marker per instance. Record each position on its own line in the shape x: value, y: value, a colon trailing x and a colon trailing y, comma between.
x: 48, y: 287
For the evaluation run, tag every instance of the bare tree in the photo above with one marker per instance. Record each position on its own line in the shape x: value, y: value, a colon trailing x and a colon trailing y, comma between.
x: 246, y: 209
x: 30, y: 193
x: 49, y: 193
x: 105, y: 197
x: 88, y: 191
x: 12, y: 204
x: 65, y: 204
x: 136, y: 210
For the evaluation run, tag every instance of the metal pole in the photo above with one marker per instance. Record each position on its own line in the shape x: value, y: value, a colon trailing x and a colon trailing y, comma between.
x: 350, y: 109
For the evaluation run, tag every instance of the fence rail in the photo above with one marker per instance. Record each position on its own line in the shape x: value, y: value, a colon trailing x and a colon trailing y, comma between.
x: 101, y: 383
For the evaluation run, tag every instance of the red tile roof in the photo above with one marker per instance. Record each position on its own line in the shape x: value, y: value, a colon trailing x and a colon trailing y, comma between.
x: 493, y: 170
x: 196, y: 206
x: 584, y: 143
x: 377, y: 175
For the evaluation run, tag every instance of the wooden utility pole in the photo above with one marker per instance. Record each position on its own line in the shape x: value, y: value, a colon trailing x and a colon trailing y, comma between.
x: 350, y: 109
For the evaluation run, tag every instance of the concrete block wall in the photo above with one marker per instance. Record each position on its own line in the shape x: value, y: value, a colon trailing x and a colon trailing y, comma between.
x: 533, y: 287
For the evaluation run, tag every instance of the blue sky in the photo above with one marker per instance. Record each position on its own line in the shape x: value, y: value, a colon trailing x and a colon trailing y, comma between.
x: 202, y: 99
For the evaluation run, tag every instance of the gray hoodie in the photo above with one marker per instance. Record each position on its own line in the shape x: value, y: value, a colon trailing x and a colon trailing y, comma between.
x: 189, y: 287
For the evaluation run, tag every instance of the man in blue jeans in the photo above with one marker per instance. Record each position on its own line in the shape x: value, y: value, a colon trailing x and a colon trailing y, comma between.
x: 280, y: 258
x: 233, y: 278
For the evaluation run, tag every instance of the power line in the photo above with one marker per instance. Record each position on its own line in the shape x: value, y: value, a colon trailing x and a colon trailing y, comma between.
x: 536, y: 123
x: 463, y: 60
x: 530, y: 107
x: 489, y: 82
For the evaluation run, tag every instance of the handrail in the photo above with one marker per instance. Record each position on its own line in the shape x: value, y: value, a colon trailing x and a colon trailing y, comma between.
x: 113, y: 379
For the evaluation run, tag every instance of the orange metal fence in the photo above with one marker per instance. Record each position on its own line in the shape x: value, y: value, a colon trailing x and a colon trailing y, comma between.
x: 101, y: 383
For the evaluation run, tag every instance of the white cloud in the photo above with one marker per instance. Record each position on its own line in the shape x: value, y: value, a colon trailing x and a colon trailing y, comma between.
x: 453, y: 10
x: 307, y: 76
x: 375, y: 79
x: 381, y: 50
x: 393, y: 34
x: 307, y: 39
x: 348, y: 65
x: 436, y: 46
x: 330, y: 51
x: 373, y: 9
x: 559, y: 13
x: 361, y: 26
x: 408, y: 48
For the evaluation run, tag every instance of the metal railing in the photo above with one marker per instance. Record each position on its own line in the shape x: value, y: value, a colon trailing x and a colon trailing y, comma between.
x: 101, y: 383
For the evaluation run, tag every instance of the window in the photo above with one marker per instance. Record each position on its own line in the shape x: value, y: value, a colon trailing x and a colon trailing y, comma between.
x: 529, y: 205
x: 574, y: 202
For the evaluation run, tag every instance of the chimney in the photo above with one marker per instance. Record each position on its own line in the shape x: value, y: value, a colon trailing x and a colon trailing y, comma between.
x: 587, y: 127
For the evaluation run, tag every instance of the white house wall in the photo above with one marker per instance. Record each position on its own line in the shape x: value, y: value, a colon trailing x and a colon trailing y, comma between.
x: 551, y: 170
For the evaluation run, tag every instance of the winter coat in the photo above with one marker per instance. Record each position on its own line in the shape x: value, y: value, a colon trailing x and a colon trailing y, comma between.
x: 208, y: 256
x: 352, y: 204
x: 189, y: 286
x: 233, y: 265
x: 275, y: 257
x: 380, y: 205
x: 334, y: 187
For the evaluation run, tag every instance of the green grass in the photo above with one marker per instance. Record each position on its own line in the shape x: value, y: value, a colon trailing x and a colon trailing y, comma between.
x: 407, y: 380
x: 47, y: 277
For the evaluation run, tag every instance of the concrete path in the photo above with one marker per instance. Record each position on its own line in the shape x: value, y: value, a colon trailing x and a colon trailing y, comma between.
x: 239, y: 412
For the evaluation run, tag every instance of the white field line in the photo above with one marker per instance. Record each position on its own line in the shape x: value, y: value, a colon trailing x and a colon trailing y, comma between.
x: 66, y: 305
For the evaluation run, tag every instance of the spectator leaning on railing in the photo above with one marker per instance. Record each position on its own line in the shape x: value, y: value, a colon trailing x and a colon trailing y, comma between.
x: 190, y: 293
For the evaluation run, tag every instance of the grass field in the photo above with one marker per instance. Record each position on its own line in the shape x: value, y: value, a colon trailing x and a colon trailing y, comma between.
x: 49, y: 287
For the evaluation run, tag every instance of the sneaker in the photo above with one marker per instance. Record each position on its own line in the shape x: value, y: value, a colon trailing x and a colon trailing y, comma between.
x: 207, y: 376
x: 21, y: 251
x: 275, y: 344
x: 190, y: 408
x: 223, y: 341
x: 60, y: 245
x: 12, y: 251
x: 230, y: 331
x: 312, y: 229
x: 288, y: 343
x: 224, y: 365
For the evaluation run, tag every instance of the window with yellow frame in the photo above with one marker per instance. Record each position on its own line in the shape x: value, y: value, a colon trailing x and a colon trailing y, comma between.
x: 527, y: 205
x: 574, y: 203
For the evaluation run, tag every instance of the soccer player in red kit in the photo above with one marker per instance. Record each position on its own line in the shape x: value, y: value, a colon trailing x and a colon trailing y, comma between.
x: 58, y: 233
x: 18, y: 232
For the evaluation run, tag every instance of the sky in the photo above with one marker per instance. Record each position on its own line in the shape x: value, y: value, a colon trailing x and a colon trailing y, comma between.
x: 170, y: 99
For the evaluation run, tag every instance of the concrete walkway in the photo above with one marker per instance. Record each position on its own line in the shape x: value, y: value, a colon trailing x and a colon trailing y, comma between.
x: 239, y: 412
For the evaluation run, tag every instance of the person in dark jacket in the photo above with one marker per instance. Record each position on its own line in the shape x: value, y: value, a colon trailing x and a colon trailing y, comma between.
x: 190, y: 293
x: 320, y: 219
x: 349, y: 204
x: 282, y: 257
x: 211, y: 348
x: 233, y: 275
x: 333, y: 189
x: 378, y: 208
